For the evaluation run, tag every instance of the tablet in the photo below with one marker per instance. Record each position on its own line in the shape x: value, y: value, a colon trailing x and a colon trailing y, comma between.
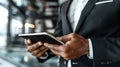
x: 43, y: 37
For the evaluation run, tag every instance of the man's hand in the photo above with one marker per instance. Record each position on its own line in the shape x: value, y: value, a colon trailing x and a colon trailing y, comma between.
x: 75, y: 46
x: 37, y: 49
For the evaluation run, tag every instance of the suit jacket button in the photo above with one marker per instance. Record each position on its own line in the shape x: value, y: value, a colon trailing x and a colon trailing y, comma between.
x: 102, y: 63
x: 108, y: 62
x: 64, y: 62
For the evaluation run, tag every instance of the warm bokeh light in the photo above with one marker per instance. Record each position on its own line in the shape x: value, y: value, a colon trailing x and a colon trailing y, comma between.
x: 29, y: 25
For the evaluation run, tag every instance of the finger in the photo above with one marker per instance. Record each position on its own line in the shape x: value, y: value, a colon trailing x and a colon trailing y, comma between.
x: 65, y: 38
x: 42, y: 48
x: 28, y: 42
x: 53, y: 47
x: 56, y: 52
x: 41, y: 53
x: 34, y: 46
x: 39, y: 50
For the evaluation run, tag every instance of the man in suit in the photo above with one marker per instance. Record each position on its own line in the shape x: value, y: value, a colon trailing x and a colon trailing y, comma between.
x: 90, y: 32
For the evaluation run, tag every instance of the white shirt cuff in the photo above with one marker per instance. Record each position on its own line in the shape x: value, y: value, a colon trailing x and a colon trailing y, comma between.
x: 90, y: 55
x: 45, y: 57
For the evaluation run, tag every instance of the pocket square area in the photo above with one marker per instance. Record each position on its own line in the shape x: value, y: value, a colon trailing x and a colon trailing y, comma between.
x: 106, y: 1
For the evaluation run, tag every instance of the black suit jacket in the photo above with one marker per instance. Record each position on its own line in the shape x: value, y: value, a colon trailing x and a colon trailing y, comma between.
x: 100, y: 23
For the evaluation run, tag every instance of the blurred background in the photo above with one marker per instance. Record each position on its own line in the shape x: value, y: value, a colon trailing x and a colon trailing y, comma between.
x: 25, y: 16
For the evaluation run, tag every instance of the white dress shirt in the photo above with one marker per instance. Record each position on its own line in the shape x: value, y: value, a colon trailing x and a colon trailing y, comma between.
x: 74, y: 14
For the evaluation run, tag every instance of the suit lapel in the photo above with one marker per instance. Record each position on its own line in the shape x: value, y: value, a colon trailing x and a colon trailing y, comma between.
x: 86, y: 11
x: 66, y: 24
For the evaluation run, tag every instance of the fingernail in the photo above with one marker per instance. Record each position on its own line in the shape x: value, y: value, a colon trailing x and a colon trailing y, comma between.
x: 59, y: 38
x: 39, y: 43
x: 29, y: 41
x: 45, y: 44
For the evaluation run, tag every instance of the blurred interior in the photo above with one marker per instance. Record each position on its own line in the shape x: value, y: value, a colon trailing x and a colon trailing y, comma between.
x: 25, y: 16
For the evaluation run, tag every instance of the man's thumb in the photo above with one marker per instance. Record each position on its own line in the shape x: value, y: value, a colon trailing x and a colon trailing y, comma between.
x: 64, y: 38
